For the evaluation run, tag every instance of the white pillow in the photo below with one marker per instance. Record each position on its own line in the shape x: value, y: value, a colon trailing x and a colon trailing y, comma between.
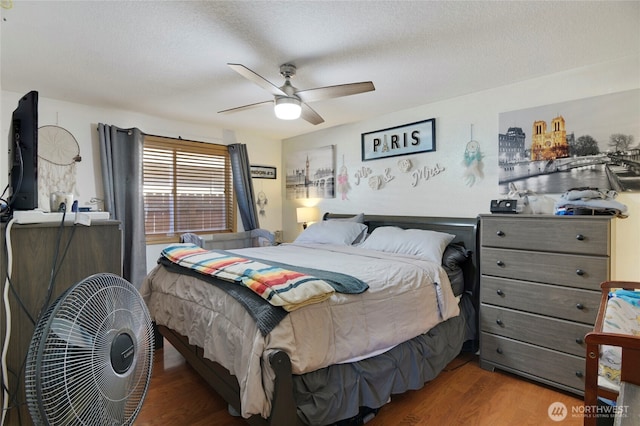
x: 332, y: 232
x: 359, y: 218
x: 429, y: 245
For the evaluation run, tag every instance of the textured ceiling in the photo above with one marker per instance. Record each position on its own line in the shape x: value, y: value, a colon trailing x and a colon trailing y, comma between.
x: 168, y: 58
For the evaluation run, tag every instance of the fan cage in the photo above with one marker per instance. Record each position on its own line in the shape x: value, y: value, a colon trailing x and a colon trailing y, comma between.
x: 70, y: 377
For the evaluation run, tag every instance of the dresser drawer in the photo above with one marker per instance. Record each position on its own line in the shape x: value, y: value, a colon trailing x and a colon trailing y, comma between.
x: 553, y: 268
x: 560, y: 234
x: 550, y: 365
x: 552, y: 333
x: 560, y: 302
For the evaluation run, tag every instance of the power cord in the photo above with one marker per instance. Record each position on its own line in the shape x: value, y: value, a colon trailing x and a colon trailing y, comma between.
x: 13, y: 401
x: 52, y: 277
x: 7, y: 336
x: 5, y: 210
x: 20, y: 176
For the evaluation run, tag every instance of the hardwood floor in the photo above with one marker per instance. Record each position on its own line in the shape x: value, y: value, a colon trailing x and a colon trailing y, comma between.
x: 463, y: 394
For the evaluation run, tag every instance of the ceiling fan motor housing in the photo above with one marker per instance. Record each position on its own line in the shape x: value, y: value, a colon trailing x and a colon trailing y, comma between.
x: 287, y: 70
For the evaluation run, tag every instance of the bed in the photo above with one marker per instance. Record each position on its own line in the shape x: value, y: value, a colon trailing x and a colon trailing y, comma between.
x: 318, y: 365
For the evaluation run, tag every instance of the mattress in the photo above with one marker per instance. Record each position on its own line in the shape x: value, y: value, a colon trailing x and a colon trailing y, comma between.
x: 407, y: 296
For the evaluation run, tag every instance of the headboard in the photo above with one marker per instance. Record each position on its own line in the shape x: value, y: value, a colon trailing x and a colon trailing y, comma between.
x: 465, y: 230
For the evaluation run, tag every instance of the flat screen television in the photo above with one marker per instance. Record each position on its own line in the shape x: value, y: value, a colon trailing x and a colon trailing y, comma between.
x: 23, y: 154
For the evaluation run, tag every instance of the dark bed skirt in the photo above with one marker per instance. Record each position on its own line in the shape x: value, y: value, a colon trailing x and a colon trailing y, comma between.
x: 338, y: 392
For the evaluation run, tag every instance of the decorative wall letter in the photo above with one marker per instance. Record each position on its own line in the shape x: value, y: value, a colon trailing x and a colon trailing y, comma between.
x: 362, y: 173
x: 426, y: 173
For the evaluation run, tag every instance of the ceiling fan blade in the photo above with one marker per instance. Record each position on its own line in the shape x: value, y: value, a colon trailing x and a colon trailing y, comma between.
x: 246, y: 107
x: 329, y: 92
x: 310, y: 115
x: 257, y: 79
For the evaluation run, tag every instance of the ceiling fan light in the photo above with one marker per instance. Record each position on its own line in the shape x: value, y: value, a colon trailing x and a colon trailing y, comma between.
x: 287, y: 108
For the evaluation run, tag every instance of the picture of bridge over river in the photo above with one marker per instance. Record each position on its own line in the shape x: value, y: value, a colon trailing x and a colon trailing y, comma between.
x: 620, y: 172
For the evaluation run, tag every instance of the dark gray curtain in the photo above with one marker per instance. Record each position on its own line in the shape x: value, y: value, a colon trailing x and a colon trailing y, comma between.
x: 121, y: 153
x: 243, y: 186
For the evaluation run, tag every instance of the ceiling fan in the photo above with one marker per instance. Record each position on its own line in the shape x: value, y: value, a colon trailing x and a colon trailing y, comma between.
x: 291, y: 103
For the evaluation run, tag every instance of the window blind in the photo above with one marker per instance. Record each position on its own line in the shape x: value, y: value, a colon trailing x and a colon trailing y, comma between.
x: 187, y: 188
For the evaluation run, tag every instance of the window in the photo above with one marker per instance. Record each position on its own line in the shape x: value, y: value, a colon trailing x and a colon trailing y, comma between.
x: 187, y: 188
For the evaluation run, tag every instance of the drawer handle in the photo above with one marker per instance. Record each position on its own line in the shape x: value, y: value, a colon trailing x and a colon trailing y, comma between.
x: 579, y: 306
x: 579, y: 272
x: 500, y: 234
x: 499, y: 322
x: 579, y: 340
x: 579, y: 374
x: 500, y: 263
x: 500, y: 292
x: 499, y: 350
x: 580, y: 237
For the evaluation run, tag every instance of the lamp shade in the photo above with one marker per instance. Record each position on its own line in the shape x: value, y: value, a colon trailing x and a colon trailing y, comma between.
x: 306, y: 214
x: 287, y: 108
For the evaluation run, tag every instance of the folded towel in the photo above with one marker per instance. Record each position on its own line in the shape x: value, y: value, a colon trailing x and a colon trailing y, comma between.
x: 629, y: 296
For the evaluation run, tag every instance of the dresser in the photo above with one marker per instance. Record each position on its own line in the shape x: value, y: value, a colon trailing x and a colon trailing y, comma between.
x: 540, y: 292
x: 91, y: 250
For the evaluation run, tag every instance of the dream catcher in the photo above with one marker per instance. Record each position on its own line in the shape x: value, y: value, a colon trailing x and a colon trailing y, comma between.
x: 262, y: 203
x: 58, y: 154
x: 473, y: 171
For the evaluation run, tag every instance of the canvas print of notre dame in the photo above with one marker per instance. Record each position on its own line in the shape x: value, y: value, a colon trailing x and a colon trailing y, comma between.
x: 592, y: 142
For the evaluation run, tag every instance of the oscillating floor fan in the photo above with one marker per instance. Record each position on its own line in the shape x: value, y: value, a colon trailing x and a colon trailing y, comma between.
x: 91, y: 355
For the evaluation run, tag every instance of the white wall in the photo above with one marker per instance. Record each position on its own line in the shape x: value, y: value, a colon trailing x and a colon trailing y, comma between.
x: 82, y: 121
x: 447, y: 194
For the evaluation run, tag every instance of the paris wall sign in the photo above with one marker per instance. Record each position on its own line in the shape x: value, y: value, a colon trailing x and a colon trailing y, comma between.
x: 400, y: 140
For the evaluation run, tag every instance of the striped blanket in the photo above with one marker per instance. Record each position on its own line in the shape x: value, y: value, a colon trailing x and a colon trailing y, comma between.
x: 276, y: 283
